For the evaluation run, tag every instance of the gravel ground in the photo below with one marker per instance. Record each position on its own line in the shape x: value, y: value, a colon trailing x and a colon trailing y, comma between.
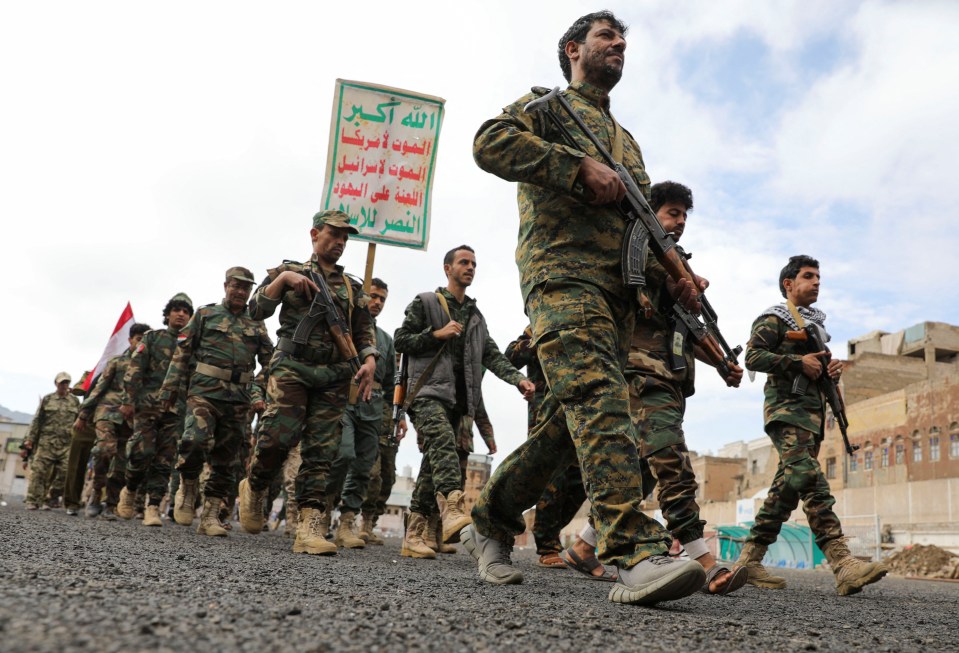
x: 76, y: 584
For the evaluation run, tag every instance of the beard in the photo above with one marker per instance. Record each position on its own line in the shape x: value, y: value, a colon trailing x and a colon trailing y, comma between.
x: 600, y: 73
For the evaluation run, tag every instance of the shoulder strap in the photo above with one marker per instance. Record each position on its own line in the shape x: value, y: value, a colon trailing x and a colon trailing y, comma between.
x: 349, y: 297
x: 800, y: 322
x: 445, y: 304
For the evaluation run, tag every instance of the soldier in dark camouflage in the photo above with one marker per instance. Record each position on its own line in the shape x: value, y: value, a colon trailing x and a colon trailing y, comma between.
x: 582, y: 316
x: 215, y: 357
x: 794, y: 423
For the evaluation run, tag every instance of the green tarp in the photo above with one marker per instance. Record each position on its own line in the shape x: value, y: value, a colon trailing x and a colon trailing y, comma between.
x: 795, y: 548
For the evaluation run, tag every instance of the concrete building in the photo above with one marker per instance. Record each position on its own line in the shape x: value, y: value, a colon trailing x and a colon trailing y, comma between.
x: 13, y: 478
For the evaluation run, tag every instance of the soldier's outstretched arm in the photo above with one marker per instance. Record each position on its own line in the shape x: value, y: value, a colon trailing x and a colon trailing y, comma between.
x: 498, y: 364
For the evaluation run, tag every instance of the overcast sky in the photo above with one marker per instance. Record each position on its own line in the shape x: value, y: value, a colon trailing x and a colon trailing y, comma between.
x: 147, y: 147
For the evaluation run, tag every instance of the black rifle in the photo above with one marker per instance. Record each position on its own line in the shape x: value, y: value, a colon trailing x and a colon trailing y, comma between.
x: 399, y: 396
x: 642, y: 227
x: 324, y: 308
x: 828, y: 386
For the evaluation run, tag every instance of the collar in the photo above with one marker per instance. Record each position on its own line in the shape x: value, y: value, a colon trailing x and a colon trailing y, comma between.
x: 338, y: 269
x: 593, y: 94
x: 449, y: 297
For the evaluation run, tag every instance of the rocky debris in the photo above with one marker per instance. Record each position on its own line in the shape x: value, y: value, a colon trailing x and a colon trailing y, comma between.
x: 929, y: 561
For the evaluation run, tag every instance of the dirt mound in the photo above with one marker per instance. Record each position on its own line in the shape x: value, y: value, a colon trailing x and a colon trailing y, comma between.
x: 924, y: 560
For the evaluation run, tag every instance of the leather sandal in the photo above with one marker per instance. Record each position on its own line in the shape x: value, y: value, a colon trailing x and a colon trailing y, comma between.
x: 551, y: 560
x: 587, y: 566
x: 737, y: 579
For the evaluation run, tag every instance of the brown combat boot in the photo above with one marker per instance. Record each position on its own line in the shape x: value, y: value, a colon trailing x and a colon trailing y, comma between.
x: 311, y: 535
x: 413, y: 544
x: 751, y: 558
x: 184, y: 503
x: 346, y: 534
x: 852, y: 574
x: 292, y: 518
x: 454, y: 516
x: 367, y: 534
x: 151, y: 516
x: 434, y: 536
x: 210, y: 518
x: 251, y: 508
x: 127, y: 504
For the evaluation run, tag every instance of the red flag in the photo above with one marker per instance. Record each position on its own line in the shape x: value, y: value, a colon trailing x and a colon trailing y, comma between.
x: 116, y: 345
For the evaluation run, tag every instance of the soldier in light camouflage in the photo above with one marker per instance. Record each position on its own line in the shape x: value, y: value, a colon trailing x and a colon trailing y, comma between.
x: 112, y: 429
x: 152, y: 447
x: 448, y: 344
x: 794, y: 423
x: 49, y: 442
x: 582, y: 317
x: 309, y: 383
x: 215, y: 357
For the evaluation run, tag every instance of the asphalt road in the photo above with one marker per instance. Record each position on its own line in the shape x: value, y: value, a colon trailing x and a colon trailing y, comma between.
x: 75, y: 584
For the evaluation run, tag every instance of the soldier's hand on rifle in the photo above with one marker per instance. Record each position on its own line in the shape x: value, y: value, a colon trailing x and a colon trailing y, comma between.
x: 401, y: 428
x: 127, y: 411
x: 298, y: 283
x: 811, y: 365
x: 528, y: 388
x: 732, y: 375
x: 600, y: 180
x: 685, y: 294
x: 834, y: 369
x: 364, y: 378
x: 453, y: 329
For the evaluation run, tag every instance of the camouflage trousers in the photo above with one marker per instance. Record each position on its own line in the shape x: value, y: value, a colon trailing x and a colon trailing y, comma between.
x: 382, y: 478
x: 81, y: 445
x: 441, y: 470
x: 561, y: 500
x: 242, y: 464
x: 48, y: 472
x: 151, y: 451
x: 658, y: 408
x: 350, y: 474
x: 582, y: 336
x: 213, y: 433
x: 798, y: 477
x: 301, y: 403
x: 110, y: 460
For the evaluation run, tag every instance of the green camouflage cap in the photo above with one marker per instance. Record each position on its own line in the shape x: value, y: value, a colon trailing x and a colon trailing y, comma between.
x: 182, y: 297
x: 334, y: 219
x: 240, y: 274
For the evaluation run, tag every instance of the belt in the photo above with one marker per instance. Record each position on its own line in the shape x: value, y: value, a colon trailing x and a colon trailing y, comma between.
x: 224, y: 374
x: 302, y: 352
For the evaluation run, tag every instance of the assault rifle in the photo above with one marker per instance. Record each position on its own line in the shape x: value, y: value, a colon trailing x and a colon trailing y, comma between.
x: 324, y: 308
x: 642, y: 226
x: 816, y: 337
x: 399, y: 396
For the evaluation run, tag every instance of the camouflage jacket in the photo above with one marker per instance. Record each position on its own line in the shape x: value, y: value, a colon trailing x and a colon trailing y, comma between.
x: 105, y: 397
x: 384, y: 378
x: 415, y: 338
x: 769, y: 351
x: 148, y: 367
x: 654, y: 340
x: 294, y: 307
x: 522, y: 353
x: 559, y: 235
x: 53, y: 422
x: 217, y: 337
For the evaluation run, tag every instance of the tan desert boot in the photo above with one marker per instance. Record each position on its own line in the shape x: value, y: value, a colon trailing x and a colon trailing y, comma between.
x: 413, y: 544
x: 209, y: 519
x: 346, y: 534
x: 852, y: 574
x: 184, y: 503
x: 453, y: 514
x: 367, y: 534
x: 434, y: 536
x: 251, y: 508
x: 126, y: 505
x: 151, y: 516
x: 751, y: 558
x: 309, y: 535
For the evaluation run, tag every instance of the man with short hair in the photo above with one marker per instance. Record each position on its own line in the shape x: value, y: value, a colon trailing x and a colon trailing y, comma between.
x: 309, y: 383
x: 152, y: 447
x: 794, y: 423
x: 582, y: 316
x: 49, y: 443
x: 214, y: 362
x: 362, y: 428
x: 449, y: 347
x: 112, y: 429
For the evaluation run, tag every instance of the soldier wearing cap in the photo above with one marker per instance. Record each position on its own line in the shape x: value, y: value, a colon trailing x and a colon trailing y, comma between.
x: 152, y: 448
x: 49, y: 443
x: 214, y: 362
x: 309, y: 379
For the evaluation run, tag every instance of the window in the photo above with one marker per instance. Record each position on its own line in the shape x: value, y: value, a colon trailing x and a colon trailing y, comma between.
x: 934, y: 444
x: 830, y: 468
x: 954, y: 445
x: 917, y: 451
x: 868, y: 461
x: 853, y: 463
x: 900, y: 454
x: 884, y: 461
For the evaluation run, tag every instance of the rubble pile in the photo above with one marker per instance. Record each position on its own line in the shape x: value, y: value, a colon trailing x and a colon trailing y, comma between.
x: 924, y: 560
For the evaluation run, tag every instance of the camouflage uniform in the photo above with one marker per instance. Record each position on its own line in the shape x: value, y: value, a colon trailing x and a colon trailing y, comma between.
x: 383, y: 474
x: 582, y: 318
x: 81, y: 446
x: 362, y: 427
x: 215, y: 355
x: 307, y: 390
x: 794, y: 424
x: 660, y: 372
x: 438, y: 418
x: 50, y: 434
x: 564, y: 493
x: 112, y: 430
x: 152, y: 447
